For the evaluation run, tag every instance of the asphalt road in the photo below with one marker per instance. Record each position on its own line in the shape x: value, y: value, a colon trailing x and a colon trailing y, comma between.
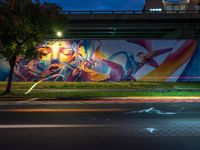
x: 91, y: 126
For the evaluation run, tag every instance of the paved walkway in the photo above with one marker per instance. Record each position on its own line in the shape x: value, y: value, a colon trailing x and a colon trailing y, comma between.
x: 141, y: 99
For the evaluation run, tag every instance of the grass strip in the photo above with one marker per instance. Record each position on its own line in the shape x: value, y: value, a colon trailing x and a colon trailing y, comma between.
x: 103, y: 85
x: 98, y: 94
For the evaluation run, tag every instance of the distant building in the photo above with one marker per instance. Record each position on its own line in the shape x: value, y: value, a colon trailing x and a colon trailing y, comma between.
x: 171, y: 5
x: 178, y: 5
x: 197, y: 4
x: 153, y: 5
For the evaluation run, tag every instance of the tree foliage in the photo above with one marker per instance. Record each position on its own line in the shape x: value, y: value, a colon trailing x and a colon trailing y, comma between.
x: 24, y: 24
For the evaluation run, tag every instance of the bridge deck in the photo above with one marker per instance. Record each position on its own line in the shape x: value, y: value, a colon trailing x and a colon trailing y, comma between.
x: 131, y: 24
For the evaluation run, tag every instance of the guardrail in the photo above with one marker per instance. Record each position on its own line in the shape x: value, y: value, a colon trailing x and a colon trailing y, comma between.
x: 128, y: 11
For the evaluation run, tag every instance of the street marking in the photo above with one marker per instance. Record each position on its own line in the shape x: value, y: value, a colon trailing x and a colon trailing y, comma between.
x: 20, y: 126
x: 32, y: 110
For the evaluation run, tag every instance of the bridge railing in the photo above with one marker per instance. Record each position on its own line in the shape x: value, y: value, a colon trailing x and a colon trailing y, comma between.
x: 128, y: 11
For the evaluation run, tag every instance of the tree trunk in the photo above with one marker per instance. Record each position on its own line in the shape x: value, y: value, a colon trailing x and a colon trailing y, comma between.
x: 12, y: 62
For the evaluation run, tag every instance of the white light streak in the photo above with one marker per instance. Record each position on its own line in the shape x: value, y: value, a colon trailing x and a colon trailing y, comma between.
x: 34, y: 85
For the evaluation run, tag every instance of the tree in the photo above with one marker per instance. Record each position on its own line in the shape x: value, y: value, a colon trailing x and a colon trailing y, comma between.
x: 23, y: 25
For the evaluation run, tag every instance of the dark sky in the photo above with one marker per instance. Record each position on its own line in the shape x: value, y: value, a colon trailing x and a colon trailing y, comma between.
x: 99, y: 4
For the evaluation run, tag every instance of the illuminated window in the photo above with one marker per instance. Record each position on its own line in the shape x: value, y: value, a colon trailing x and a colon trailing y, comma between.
x: 155, y: 9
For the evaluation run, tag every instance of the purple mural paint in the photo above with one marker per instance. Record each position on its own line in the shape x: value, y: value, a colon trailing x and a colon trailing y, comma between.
x: 105, y: 60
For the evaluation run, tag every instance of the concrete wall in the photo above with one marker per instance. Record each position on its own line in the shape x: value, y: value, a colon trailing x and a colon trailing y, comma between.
x: 110, y: 60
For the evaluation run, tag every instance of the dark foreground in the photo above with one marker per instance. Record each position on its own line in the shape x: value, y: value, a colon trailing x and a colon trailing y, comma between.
x: 90, y: 126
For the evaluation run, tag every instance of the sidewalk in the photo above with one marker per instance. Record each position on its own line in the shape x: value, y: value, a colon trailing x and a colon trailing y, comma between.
x: 142, y: 99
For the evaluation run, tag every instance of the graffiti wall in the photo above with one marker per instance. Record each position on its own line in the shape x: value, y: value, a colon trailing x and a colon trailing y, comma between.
x: 110, y: 60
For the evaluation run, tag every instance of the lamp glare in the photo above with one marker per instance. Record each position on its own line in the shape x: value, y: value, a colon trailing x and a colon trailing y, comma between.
x: 59, y: 34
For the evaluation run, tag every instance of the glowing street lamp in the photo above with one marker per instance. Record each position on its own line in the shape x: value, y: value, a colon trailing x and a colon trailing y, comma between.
x: 59, y: 34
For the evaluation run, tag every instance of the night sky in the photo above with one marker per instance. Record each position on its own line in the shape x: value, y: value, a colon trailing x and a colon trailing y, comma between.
x: 100, y: 4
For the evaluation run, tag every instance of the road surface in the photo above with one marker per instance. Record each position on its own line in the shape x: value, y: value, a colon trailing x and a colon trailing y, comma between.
x: 78, y: 125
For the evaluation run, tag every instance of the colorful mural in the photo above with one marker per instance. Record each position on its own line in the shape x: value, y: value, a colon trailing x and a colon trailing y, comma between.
x: 109, y: 60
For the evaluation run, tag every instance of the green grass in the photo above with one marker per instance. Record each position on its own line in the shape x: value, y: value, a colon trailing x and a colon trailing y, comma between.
x: 76, y: 85
x: 143, y: 86
x: 113, y: 94
x: 99, y: 94
x: 102, y: 85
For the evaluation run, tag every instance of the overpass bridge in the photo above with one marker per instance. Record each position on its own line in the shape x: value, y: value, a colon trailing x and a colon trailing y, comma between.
x: 132, y: 24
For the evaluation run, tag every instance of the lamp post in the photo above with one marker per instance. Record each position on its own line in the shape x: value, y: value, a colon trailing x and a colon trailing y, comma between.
x: 59, y: 35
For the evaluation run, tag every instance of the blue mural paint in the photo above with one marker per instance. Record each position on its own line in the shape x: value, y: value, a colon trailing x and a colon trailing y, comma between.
x: 192, y: 71
x: 109, y: 60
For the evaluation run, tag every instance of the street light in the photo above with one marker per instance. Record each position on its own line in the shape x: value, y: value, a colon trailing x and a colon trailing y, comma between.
x: 59, y: 34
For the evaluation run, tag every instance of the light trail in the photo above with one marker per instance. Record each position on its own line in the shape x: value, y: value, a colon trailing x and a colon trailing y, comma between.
x: 174, y: 77
x: 34, y: 85
x: 132, y: 100
x: 38, y: 110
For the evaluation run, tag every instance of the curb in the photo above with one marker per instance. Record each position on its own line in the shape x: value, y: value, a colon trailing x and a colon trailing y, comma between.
x: 110, y: 99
